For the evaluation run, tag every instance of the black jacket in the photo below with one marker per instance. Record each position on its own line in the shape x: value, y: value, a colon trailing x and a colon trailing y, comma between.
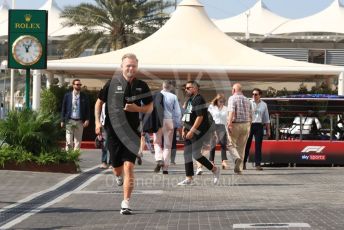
x: 66, y: 110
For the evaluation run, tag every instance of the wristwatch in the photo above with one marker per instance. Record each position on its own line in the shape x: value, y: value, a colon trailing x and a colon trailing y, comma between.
x: 27, y: 50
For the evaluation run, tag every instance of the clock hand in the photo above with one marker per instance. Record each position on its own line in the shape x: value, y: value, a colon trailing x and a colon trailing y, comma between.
x: 27, y: 46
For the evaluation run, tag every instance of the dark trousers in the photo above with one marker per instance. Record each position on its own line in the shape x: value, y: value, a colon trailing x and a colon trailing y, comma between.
x: 174, y: 146
x: 257, y: 130
x: 222, y: 140
x: 192, y: 148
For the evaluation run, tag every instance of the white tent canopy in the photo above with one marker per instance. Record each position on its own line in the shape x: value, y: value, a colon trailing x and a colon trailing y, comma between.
x: 3, y: 31
x: 4, y: 11
x: 56, y: 26
x: 189, y: 45
x: 4, y: 18
x: 55, y: 23
x: 256, y: 20
x: 328, y: 20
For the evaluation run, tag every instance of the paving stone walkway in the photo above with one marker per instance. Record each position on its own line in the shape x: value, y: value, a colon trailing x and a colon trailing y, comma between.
x: 270, y: 199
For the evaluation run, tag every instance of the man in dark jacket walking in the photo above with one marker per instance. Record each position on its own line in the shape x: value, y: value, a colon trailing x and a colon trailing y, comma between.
x: 75, y: 115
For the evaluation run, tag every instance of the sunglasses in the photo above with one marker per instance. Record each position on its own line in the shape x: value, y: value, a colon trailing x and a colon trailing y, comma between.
x: 187, y: 88
x: 78, y: 84
x: 255, y: 94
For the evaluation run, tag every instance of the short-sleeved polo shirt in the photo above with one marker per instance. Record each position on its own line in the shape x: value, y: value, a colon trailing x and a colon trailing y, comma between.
x: 122, y: 92
x: 196, y: 106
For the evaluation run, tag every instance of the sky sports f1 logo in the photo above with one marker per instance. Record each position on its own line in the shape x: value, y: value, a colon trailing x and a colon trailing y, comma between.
x: 313, y: 149
x: 314, y: 153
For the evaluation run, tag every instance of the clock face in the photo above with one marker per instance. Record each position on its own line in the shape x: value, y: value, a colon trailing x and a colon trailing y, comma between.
x: 27, y: 50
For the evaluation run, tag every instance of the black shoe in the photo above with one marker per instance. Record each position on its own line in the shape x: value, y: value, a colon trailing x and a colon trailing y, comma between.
x: 164, y: 172
x: 244, y: 167
x: 157, y: 168
x: 139, y: 160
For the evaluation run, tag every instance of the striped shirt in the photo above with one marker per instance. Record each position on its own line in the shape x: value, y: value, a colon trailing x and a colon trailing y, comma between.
x: 241, y: 107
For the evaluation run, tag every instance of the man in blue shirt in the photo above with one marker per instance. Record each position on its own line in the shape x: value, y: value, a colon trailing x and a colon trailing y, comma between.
x: 172, y: 115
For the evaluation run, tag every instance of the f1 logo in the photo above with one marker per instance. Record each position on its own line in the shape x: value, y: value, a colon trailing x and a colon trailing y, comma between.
x: 313, y: 149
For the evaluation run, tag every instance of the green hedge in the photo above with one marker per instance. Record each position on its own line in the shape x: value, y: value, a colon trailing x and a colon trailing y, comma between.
x: 33, y: 136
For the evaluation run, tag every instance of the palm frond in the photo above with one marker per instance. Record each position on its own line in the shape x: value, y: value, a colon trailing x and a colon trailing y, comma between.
x: 113, y: 24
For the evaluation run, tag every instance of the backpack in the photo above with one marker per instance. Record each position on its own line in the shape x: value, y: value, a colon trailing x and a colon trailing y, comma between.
x: 151, y: 122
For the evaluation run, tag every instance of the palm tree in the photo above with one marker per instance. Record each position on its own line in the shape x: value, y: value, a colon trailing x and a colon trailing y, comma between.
x: 112, y: 24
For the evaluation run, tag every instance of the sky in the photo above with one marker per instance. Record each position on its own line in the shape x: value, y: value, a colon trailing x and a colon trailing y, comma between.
x: 217, y: 8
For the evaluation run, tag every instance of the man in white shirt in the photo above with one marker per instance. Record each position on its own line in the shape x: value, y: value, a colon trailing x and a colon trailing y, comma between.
x: 260, y: 118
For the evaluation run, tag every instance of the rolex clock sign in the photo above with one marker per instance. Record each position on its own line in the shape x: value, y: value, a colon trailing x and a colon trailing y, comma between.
x: 27, y: 39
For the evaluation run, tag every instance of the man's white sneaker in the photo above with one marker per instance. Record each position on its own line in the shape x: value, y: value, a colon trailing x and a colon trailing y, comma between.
x: 125, y: 208
x: 199, y: 171
x: 186, y: 182
x: 216, y: 175
x: 119, y: 180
